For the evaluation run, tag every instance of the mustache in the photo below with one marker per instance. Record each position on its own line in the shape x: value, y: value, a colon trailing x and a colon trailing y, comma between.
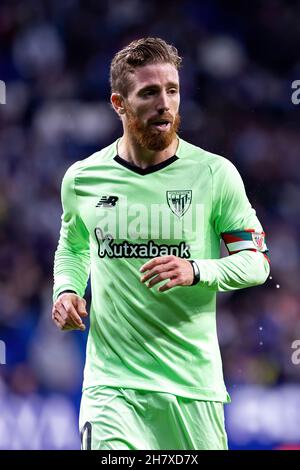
x: 161, y: 117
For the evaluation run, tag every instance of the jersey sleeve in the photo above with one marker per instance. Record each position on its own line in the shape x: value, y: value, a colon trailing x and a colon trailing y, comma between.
x: 231, y: 207
x: 235, y: 221
x: 72, y: 256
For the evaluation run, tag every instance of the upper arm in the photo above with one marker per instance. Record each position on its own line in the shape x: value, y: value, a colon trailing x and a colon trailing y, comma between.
x: 73, y: 231
x: 235, y: 220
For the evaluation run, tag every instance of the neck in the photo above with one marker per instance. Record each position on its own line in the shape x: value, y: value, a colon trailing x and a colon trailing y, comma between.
x: 130, y: 150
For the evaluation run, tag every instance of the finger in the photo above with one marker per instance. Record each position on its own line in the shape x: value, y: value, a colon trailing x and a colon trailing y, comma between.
x: 72, y: 313
x: 64, y: 319
x: 157, y: 270
x: 59, y: 315
x: 168, y: 285
x: 81, y: 308
x: 160, y: 277
x: 155, y: 261
x: 64, y: 324
x: 57, y: 323
x: 59, y: 320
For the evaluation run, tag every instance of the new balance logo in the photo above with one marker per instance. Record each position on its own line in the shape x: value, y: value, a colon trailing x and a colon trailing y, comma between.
x: 107, y: 201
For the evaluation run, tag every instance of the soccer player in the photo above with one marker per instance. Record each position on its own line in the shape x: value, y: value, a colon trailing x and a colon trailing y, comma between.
x: 145, y: 217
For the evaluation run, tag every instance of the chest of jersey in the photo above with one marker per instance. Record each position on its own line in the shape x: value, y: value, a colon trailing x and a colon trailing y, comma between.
x: 133, y: 215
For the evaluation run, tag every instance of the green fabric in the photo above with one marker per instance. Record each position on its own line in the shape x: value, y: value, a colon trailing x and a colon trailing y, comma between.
x: 126, y: 419
x: 140, y: 338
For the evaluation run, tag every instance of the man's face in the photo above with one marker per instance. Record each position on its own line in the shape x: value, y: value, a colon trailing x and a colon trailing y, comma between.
x: 151, y: 107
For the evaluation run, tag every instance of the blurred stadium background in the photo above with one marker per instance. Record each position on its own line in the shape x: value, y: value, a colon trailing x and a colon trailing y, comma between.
x: 240, y: 59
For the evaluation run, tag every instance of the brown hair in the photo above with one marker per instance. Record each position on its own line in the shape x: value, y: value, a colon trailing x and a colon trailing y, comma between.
x: 138, y: 53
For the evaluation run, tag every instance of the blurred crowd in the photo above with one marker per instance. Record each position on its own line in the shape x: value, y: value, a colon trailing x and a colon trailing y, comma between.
x: 239, y: 62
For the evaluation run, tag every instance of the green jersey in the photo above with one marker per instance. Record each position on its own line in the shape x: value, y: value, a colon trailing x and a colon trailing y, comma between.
x: 116, y: 216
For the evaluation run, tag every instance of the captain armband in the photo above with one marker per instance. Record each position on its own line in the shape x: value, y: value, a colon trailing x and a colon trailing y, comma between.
x: 247, y: 239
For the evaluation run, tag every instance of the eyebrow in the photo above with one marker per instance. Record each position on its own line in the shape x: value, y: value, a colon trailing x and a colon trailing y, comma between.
x: 148, y: 87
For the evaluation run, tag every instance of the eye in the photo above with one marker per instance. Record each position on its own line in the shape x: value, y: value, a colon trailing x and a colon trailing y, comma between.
x: 172, y: 91
x: 149, y: 93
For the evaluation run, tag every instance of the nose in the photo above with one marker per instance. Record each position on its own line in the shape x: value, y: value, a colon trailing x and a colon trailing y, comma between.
x: 163, y: 104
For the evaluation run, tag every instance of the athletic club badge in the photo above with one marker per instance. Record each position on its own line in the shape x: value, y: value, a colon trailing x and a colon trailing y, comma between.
x: 258, y: 240
x: 179, y: 201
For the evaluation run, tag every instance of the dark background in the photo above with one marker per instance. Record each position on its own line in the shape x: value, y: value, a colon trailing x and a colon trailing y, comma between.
x: 239, y: 62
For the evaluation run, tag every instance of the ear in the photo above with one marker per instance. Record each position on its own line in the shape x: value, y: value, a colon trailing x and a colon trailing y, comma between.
x: 117, y: 102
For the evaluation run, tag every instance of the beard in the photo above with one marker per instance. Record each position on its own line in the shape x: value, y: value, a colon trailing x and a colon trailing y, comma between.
x: 147, y: 136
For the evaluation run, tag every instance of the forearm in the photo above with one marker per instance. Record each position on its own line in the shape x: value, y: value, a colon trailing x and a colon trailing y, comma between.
x: 71, y: 271
x: 238, y: 271
x: 72, y: 257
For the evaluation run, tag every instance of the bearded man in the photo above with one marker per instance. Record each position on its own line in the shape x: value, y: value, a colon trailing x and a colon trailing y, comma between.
x: 145, y: 217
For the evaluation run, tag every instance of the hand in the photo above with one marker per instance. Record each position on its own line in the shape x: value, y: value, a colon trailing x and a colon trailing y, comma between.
x: 179, y: 271
x: 68, y: 310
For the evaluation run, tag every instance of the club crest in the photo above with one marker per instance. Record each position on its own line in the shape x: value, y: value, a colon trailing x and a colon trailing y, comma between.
x: 179, y: 201
x: 258, y: 240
